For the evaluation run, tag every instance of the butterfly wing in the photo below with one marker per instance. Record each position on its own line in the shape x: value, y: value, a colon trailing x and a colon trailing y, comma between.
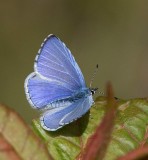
x: 80, y: 109
x: 56, y: 118
x: 56, y: 63
x: 41, y: 93
x: 57, y: 75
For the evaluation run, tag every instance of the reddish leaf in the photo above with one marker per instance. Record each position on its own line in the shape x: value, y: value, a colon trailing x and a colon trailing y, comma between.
x: 7, y: 152
x: 138, y: 154
x: 97, y: 144
x: 17, y: 141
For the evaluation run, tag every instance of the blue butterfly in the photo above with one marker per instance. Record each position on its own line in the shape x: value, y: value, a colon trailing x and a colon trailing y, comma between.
x: 57, y: 86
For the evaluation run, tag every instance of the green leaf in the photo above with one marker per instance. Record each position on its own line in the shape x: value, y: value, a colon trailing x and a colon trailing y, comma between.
x: 17, y: 141
x: 130, y: 130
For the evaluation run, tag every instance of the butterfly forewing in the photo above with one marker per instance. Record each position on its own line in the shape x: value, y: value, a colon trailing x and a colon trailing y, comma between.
x: 41, y: 93
x: 55, y: 62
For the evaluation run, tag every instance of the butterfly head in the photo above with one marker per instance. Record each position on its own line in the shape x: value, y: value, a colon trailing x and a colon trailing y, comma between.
x: 93, y: 90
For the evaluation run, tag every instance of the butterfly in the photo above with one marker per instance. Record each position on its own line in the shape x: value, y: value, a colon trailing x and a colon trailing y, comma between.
x: 57, y: 86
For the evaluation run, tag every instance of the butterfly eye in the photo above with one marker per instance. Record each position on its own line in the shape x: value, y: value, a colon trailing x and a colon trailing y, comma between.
x: 93, y: 90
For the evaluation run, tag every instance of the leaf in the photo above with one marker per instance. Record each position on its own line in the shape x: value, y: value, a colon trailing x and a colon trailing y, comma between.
x: 138, y: 154
x: 130, y: 131
x: 131, y: 128
x: 6, y: 150
x: 17, y: 141
x: 97, y: 144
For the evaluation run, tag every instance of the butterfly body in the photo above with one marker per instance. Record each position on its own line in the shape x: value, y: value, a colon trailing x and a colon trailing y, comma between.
x: 57, y: 86
x: 82, y: 93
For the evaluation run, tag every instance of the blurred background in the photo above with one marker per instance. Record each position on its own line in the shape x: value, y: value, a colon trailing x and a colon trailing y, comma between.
x: 113, y: 34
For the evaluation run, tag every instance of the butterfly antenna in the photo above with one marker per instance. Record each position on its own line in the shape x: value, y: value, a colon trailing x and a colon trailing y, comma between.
x: 93, y: 76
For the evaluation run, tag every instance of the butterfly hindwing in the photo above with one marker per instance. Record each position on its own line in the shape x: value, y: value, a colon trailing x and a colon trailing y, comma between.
x: 54, y: 119
x: 81, y: 107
